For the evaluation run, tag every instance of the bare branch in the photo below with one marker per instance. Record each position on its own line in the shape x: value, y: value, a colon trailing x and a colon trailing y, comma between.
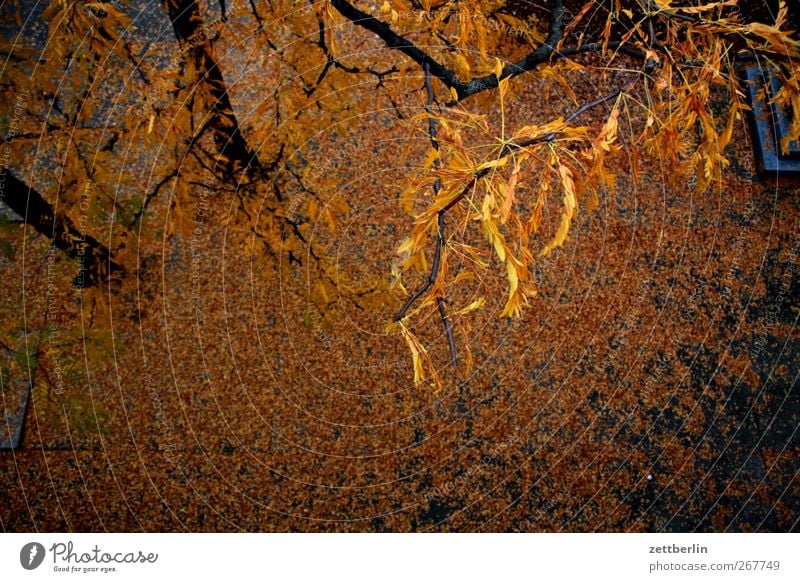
x: 445, y: 74
x: 187, y: 24
x: 448, y: 328
x: 397, y: 42
x: 537, y: 57
x: 437, y: 257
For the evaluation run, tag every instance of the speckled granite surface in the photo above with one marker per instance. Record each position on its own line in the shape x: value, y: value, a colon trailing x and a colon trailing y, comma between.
x: 652, y: 385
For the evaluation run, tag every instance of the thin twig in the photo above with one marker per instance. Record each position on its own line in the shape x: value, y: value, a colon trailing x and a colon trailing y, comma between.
x: 658, y: 10
x: 507, y: 149
x: 591, y: 47
x: 512, y: 146
x: 437, y: 256
x: 587, y: 106
x: 448, y: 328
x: 149, y: 197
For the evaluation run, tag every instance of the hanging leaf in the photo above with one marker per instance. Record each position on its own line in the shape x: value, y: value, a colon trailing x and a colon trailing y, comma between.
x: 568, y: 212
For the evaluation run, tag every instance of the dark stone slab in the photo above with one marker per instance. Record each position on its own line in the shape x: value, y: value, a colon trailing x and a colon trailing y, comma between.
x: 16, y: 393
x: 770, y: 124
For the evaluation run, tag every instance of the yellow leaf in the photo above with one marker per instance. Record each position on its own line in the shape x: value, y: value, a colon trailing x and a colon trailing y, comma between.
x: 536, y: 131
x: 513, y: 277
x: 508, y: 202
x: 430, y: 158
x: 329, y: 218
x: 518, y: 278
x: 498, y: 68
x: 419, y: 369
x: 498, y: 163
x: 418, y: 353
x: 609, y: 132
x: 477, y: 304
x: 320, y: 295
x: 397, y: 277
x: 536, y: 215
x: 407, y: 247
x: 313, y: 209
x: 495, y: 238
x: 567, y: 214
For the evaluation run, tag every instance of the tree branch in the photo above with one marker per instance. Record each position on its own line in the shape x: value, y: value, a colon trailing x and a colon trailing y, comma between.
x: 437, y: 257
x: 445, y: 74
x: 528, y: 62
x: 542, y: 54
x: 95, y: 259
x: 150, y: 196
x: 397, y: 42
x: 512, y: 146
x: 187, y: 23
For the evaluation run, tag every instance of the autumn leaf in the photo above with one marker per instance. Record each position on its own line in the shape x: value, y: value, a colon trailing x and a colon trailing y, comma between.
x: 568, y: 212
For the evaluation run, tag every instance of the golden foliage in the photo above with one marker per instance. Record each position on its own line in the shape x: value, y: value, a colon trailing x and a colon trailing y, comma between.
x: 491, y: 179
x: 676, y: 93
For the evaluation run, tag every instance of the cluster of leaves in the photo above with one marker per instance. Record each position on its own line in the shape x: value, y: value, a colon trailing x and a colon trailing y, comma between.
x: 674, y: 62
x: 487, y: 184
x: 57, y: 99
x: 696, y: 58
x: 663, y: 62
